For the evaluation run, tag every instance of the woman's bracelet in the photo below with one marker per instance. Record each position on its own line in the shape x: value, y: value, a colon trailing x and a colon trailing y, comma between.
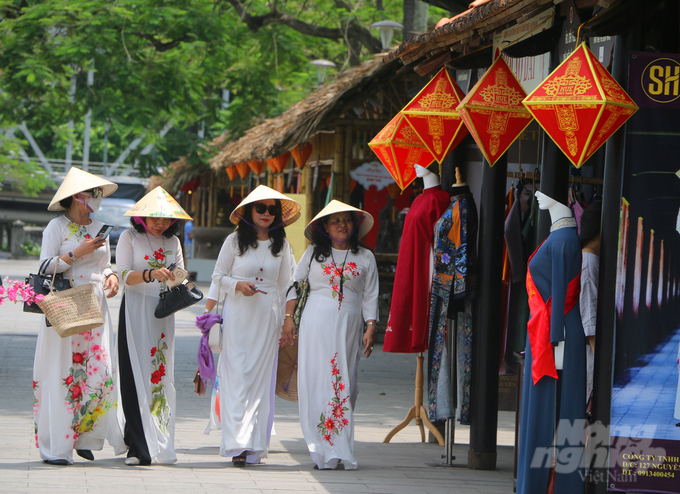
x: 150, y: 278
x: 370, y: 323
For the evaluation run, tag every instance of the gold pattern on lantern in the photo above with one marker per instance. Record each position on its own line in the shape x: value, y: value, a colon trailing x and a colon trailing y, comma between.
x: 439, y: 100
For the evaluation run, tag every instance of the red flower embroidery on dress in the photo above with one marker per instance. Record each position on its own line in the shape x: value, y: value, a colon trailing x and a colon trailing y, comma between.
x: 155, y: 377
x: 78, y: 358
x: 153, y: 352
x: 334, y: 420
x: 337, y: 272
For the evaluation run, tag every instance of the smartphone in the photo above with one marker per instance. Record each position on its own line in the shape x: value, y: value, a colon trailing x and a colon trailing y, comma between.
x: 180, y: 276
x: 105, y: 230
x: 261, y: 291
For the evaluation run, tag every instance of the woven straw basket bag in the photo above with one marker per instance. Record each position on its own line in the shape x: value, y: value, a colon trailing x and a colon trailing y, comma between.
x: 72, y: 311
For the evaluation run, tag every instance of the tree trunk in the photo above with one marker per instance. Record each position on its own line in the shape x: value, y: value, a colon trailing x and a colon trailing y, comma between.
x: 415, y: 18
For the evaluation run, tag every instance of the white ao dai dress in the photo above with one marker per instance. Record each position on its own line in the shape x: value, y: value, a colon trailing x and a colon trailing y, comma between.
x: 74, y: 404
x: 246, y: 370
x: 150, y: 341
x: 330, y: 345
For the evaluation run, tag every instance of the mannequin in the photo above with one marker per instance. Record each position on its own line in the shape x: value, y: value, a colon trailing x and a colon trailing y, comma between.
x: 452, y: 292
x: 407, y: 325
x: 555, y: 329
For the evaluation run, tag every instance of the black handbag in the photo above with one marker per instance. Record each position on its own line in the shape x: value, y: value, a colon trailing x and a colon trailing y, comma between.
x: 177, y: 298
x: 41, y: 282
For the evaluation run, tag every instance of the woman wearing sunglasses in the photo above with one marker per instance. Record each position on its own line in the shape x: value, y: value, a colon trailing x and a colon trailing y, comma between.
x: 253, y: 271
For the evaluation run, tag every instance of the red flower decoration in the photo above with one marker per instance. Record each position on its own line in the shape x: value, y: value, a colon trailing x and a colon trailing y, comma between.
x: 78, y: 358
x: 68, y: 380
x: 153, y: 352
x: 162, y: 335
x: 155, y: 377
x: 161, y: 369
x: 35, y: 383
x: 76, y: 392
x: 87, y: 235
x: 146, y: 258
x: 336, y: 371
x: 329, y: 423
x: 345, y: 421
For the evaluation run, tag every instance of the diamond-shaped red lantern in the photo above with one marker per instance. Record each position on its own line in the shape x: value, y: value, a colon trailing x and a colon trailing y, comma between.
x: 399, y: 148
x: 433, y: 115
x: 580, y: 105
x: 493, y: 111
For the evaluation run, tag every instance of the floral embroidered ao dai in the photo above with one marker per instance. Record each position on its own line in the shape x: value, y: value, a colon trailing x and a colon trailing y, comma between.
x: 330, y: 345
x: 73, y: 378
x: 150, y: 341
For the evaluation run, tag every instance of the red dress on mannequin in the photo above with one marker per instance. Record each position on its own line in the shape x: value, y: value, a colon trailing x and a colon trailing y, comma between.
x: 408, y: 324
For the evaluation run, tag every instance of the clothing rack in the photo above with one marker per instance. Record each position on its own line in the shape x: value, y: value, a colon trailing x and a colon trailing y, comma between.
x: 572, y: 179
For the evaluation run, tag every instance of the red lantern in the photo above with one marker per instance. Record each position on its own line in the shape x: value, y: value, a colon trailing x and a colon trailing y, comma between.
x: 256, y: 166
x: 399, y: 148
x: 242, y: 169
x: 301, y: 154
x: 493, y: 111
x: 232, y: 172
x: 580, y: 105
x: 434, y: 117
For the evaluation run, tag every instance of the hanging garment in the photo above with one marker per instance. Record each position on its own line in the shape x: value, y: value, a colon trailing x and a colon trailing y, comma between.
x: 555, y: 264
x: 407, y: 325
x: 590, y: 271
x: 452, y: 285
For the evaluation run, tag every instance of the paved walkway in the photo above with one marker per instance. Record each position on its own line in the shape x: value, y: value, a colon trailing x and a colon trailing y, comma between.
x: 404, y: 466
x: 644, y: 406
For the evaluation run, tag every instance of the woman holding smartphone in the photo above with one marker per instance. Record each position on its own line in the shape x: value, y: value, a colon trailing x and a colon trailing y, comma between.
x: 254, y: 269
x: 74, y: 397
x: 146, y: 345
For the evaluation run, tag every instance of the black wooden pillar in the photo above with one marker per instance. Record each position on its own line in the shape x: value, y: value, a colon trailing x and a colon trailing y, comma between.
x: 606, y: 299
x: 554, y: 170
x: 487, y: 318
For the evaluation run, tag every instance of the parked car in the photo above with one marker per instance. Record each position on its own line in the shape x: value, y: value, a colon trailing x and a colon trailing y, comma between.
x: 111, y: 213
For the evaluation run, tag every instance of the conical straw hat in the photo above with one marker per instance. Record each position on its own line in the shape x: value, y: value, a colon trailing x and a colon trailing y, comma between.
x: 365, y: 223
x: 290, y: 209
x: 77, y: 181
x: 158, y: 204
x: 286, y: 372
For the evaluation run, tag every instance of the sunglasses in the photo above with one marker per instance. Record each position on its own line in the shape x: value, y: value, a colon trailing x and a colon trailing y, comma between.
x: 261, y: 208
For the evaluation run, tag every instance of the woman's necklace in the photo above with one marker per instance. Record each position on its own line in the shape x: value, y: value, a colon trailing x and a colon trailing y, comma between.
x: 341, y: 272
x: 75, y: 222
x: 261, y: 265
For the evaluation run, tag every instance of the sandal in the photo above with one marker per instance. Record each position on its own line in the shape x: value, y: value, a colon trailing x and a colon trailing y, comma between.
x: 240, y: 460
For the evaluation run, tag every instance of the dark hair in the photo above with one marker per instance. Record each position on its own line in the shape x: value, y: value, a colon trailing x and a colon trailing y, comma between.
x: 66, y: 202
x: 322, y: 241
x: 247, y: 235
x: 590, y: 222
x: 172, y: 229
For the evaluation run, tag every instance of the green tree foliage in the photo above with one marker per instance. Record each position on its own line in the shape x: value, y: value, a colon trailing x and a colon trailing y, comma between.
x: 160, y: 61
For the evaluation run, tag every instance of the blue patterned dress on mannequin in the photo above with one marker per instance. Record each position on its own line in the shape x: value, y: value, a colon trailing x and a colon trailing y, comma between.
x: 452, y: 293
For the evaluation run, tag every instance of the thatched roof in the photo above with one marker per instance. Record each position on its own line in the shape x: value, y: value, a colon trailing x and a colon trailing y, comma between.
x: 301, y: 121
x: 182, y: 171
x: 480, y: 20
